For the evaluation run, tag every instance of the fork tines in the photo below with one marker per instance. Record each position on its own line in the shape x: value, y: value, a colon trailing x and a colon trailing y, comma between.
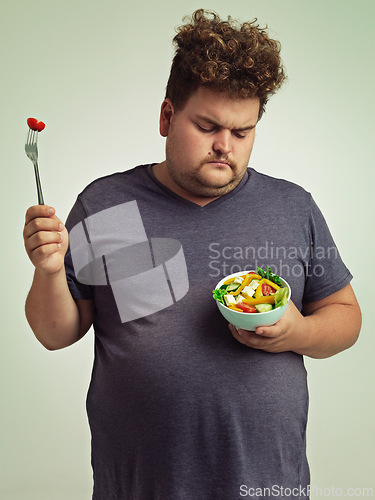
x: 32, y: 136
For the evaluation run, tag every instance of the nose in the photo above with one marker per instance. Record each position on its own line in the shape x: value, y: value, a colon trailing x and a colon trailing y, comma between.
x: 222, y: 142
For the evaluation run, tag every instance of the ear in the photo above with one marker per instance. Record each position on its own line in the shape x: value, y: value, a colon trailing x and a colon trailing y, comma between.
x: 166, y: 114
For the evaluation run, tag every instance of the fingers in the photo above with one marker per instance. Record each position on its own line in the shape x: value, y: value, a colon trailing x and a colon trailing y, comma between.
x: 237, y: 334
x: 41, y: 258
x: 38, y: 222
x: 41, y: 217
x: 45, y: 237
x: 40, y: 238
x: 38, y: 211
x: 42, y: 227
x: 255, y: 339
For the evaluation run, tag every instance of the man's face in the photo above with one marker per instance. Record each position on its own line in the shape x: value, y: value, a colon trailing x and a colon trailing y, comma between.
x: 209, y: 142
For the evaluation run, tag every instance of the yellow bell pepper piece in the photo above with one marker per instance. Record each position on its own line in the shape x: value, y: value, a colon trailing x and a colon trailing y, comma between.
x: 258, y: 291
x: 265, y: 299
x: 252, y: 277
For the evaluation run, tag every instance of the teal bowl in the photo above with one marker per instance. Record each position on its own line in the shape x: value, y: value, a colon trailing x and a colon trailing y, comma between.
x: 250, y: 321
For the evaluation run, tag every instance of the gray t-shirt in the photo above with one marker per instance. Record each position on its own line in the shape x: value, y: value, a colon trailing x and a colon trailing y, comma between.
x: 178, y: 409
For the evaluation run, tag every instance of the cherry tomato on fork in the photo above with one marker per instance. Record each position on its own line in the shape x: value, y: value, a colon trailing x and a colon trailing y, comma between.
x: 35, y: 124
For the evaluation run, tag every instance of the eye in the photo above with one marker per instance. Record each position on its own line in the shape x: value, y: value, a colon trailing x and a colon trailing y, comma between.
x: 205, y: 129
x: 240, y: 135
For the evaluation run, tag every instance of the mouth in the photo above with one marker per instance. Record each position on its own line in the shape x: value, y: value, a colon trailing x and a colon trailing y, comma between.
x: 220, y: 163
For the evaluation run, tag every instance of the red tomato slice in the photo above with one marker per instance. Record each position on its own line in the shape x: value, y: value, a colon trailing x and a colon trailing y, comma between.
x: 35, y: 124
x: 32, y: 122
x: 40, y: 126
x: 246, y: 307
x: 267, y: 289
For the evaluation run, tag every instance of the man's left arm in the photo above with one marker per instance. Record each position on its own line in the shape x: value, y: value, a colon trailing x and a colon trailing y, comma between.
x: 325, y: 327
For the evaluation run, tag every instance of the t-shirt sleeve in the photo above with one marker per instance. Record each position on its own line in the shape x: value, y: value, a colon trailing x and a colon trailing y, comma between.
x: 77, y: 289
x: 327, y: 273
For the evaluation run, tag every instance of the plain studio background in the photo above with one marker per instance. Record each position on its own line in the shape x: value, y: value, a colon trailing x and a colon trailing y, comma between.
x: 95, y: 73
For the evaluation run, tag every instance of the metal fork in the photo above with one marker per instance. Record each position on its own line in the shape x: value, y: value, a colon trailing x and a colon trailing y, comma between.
x: 31, y: 149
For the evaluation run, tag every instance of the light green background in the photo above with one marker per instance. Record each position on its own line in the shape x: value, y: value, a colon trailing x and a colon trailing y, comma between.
x: 95, y: 72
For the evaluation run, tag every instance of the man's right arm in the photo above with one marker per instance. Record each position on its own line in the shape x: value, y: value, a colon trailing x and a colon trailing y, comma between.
x: 56, y: 319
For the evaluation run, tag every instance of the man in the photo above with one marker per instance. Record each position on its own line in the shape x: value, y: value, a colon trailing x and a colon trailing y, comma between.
x: 178, y: 407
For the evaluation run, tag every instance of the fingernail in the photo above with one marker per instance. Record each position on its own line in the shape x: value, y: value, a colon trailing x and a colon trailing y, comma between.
x: 259, y: 332
x: 51, y: 211
x: 239, y: 332
x: 61, y: 227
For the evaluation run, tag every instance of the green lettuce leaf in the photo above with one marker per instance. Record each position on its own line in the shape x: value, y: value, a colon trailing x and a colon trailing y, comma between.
x: 219, y: 293
x: 281, y: 297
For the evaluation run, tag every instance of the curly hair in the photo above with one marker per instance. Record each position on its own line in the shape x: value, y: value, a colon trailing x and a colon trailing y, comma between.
x: 240, y: 61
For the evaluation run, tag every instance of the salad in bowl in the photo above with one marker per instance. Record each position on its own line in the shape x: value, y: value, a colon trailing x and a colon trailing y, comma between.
x: 249, y: 299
